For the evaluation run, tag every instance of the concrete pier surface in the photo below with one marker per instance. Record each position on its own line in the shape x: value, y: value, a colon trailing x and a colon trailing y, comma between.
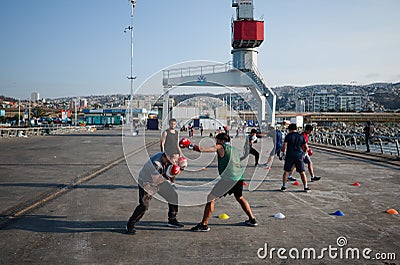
x: 66, y: 199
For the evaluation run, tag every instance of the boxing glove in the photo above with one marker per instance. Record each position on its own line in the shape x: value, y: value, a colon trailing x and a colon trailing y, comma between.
x: 310, y: 152
x: 184, y: 143
x: 194, y: 147
x: 182, y: 162
x: 172, y: 171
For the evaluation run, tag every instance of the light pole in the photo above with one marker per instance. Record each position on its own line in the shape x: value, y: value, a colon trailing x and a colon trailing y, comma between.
x: 76, y: 115
x: 29, y: 113
x: 230, y: 109
x: 19, y: 112
x: 131, y: 77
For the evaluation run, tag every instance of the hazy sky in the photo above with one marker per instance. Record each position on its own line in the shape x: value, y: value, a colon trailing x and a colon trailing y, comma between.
x: 78, y: 47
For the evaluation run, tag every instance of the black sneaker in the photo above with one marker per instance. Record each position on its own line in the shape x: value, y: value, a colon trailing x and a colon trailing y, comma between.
x: 251, y: 222
x: 315, y: 178
x: 174, y: 223
x: 291, y: 178
x: 283, y: 189
x: 200, y: 228
x: 130, y: 229
x: 307, y: 189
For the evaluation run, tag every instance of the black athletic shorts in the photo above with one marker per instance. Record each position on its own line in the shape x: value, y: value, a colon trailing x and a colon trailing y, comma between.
x: 228, y: 187
x: 293, y: 161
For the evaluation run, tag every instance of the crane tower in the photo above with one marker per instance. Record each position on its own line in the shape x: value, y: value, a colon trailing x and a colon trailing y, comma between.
x: 247, y: 36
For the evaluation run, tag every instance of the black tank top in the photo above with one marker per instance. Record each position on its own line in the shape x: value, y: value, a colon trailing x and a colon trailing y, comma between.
x: 171, y: 143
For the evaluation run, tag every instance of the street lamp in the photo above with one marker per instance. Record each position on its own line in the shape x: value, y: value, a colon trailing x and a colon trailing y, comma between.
x: 131, y: 77
x: 19, y: 112
x: 29, y: 112
x: 76, y: 115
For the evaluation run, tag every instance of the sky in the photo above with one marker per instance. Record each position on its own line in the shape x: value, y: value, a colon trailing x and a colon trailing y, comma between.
x: 63, y: 48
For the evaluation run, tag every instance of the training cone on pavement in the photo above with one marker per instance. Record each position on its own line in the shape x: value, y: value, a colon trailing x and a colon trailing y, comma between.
x: 279, y: 216
x: 296, y: 183
x: 392, y: 211
x: 244, y: 183
x: 223, y: 216
x: 203, y: 168
x: 338, y: 213
x: 356, y: 184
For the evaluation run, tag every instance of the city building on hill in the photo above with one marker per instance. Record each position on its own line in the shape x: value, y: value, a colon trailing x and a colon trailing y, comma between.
x: 324, y: 101
x: 300, y: 106
x: 349, y: 103
x: 83, y: 103
x: 35, y: 96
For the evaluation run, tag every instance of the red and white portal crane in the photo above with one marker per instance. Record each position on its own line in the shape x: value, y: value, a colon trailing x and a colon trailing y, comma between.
x: 247, y: 35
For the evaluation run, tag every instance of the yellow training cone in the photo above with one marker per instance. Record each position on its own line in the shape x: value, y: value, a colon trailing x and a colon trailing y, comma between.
x: 392, y: 211
x: 223, y: 216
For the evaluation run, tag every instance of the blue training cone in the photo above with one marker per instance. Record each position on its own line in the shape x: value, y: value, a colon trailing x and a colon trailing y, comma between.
x: 338, y: 213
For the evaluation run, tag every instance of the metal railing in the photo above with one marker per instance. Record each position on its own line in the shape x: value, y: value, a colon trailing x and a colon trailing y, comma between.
x: 213, y: 69
x: 197, y: 70
x: 40, y: 131
x: 378, y: 144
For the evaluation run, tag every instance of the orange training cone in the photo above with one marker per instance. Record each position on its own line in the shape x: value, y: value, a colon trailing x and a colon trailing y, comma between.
x: 244, y: 183
x: 356, y: 184
x: 296, y: 183
x: 392, y: 211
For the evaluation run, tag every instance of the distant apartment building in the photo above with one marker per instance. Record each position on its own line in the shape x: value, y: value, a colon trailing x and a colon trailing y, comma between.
x: 349, y: 103
x: 184, y: 113
x: 72, y: 105
x: 83, y: 103
x: 300, y: 106
x: 35, y: 96
x: 324, y: 101
x: 140, y: 103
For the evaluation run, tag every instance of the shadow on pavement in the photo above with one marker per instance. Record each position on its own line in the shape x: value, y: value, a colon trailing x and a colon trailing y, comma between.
x: 57, y: 185
x: 58, y: 224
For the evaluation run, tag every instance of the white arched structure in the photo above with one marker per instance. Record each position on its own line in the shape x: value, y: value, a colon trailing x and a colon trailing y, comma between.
x: 224, y: 75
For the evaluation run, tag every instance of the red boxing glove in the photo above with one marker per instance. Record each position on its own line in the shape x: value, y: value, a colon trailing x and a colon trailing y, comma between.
x: 182, y: 162
x: 172, y: 171
x: 175, y: 170
x: 310, y: 152
x: 184, y: 143
x: 194, y: 147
